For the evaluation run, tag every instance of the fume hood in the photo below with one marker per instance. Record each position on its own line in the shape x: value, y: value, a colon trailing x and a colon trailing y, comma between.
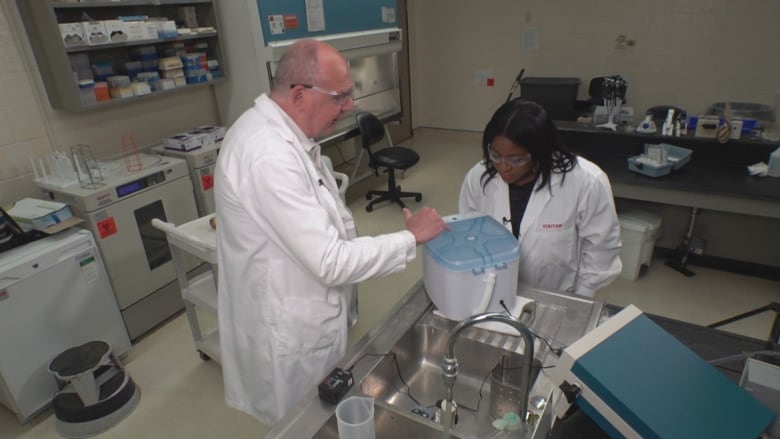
x: 257, y: 33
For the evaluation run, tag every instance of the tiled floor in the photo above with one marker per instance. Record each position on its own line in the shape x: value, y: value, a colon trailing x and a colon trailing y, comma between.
x: 182, y: 395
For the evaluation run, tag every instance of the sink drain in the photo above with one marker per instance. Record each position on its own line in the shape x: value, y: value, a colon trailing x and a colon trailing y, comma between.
x: 424, y: 412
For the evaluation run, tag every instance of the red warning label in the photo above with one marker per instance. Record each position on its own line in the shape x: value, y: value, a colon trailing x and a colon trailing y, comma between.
x: 290, y: 21
x: 106, y: 228
x: 207, y: 181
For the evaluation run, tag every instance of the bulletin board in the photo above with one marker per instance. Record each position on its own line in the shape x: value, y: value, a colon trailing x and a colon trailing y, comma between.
x: 293, y: 19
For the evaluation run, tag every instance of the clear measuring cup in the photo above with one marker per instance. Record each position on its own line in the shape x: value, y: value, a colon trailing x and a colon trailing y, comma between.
x: 355, y: 416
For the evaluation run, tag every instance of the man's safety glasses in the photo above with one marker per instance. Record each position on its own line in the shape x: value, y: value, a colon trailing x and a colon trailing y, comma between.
x: 339, y: 97
x: 512, y: 161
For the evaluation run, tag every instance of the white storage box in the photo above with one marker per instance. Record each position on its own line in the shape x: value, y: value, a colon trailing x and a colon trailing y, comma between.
x: 185, y: 141
x: 213, y: 134
x: 472, y: 268
x: 95, y: 32
x: 72, y: 34
x: 115, y: 30
x: 639, y: 230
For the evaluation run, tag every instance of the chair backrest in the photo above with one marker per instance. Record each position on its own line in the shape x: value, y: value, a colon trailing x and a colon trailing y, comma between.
x: 371, y: 129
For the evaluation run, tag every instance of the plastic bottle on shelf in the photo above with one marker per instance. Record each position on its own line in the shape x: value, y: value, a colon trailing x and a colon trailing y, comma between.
x: 87, y: 91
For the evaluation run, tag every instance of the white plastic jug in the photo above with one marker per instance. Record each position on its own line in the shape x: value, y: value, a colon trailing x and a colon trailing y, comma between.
x: 355, y: 416
x: 774, y: 164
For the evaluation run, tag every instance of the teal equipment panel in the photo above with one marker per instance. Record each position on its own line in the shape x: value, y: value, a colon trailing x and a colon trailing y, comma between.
x: 341, y: 16
x: 662, y: 389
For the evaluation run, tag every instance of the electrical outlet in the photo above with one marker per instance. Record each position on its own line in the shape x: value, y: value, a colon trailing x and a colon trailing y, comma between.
x: 624, y: 43
x: 484, y: 77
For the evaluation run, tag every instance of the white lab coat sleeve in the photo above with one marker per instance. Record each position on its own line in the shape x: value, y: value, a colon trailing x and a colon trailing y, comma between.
x: 289, y: 206
x: 471, y: 191
x: 599, y: 234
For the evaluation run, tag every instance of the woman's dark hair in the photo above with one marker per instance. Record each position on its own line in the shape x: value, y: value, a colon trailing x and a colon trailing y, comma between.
x: 527, y: 124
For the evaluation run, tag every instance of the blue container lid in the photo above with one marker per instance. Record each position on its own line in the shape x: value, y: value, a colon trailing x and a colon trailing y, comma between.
x: 474, y: 244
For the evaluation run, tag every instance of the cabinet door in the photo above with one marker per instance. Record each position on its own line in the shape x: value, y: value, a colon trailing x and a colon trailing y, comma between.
x: 104, y: 53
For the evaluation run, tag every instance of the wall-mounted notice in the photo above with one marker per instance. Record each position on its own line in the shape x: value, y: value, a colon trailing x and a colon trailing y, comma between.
x: 315, y: 15
x: 388, y: 14
x: 276, y: 24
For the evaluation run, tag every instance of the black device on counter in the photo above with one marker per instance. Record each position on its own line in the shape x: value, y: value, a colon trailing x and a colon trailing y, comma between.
x: 335, y: 385
x: 12, y: 235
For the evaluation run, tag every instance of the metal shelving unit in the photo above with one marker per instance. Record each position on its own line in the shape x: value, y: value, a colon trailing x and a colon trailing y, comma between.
x: 43, y: 17
x: 199, y: 291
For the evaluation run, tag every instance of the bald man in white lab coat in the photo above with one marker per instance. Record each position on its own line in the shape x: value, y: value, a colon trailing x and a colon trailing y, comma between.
x: 287, y: 247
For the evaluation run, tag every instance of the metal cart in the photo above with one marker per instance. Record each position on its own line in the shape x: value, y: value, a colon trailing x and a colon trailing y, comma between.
x: 198, y: 239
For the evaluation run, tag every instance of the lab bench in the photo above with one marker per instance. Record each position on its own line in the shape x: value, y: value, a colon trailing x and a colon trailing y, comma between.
x: 707, y: 186
x: 716, y: 178
x: 741, y: 211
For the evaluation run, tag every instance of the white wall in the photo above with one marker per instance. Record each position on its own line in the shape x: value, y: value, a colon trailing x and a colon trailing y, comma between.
x: 688, y: 53
x: 29, y: 127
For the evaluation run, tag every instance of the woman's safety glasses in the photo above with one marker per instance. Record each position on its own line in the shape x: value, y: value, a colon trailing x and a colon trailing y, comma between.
x: 511, y: 161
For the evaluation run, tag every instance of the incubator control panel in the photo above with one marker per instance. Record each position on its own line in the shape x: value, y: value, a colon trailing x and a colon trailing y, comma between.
x: 140, y: 184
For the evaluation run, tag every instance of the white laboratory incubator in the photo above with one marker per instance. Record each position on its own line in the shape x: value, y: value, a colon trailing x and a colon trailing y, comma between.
x: 54, y: 294
x: 119, y: 211
x: 201, y: 163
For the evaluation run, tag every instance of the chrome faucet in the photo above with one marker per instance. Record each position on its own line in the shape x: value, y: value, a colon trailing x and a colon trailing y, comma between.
x: 449, y: 365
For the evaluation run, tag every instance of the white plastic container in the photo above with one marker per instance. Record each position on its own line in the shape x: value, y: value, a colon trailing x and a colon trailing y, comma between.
x: 472, y: 268
x: 774, y: 163
x: 355, y: 418
x: 639, y: 230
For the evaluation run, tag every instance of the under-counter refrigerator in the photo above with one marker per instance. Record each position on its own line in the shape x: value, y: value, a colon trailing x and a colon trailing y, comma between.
x: 54, y: 294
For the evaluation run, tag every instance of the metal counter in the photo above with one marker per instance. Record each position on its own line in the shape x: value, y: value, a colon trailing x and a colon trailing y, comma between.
x: 580, y: 315
x: 311, y: 413
x: 575, y: 316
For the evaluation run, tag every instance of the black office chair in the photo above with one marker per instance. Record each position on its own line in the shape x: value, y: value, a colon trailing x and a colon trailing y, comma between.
x: 386, y: 159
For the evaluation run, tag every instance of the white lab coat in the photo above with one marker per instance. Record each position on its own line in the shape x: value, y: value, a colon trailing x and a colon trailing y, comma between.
x: 569, y: 235
x: 288, y: 257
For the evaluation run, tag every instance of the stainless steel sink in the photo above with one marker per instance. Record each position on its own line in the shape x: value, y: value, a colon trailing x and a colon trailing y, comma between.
x: 409, y: 377
x: 415, y: 337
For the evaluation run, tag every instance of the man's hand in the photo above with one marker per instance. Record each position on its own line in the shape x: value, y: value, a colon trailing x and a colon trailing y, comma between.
x: 425, y: 224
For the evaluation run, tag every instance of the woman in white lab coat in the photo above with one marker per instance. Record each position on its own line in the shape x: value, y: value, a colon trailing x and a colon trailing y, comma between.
x: 558, y: 205
x: 287, y: 247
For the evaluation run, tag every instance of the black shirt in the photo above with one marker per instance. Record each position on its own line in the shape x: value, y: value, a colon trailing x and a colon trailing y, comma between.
x: 518, y: 200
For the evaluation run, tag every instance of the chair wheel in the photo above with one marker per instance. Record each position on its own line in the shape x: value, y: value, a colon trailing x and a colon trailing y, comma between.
x: 417, y: 198
x: 369, y: 208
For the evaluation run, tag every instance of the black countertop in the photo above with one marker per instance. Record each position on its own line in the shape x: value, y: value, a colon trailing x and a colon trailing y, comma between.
x: 717, y: 169
x: 710, y: 178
